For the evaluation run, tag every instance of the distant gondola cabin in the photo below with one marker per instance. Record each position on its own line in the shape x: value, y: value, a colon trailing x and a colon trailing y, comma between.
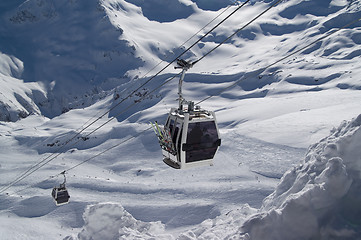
x: 60, y: 195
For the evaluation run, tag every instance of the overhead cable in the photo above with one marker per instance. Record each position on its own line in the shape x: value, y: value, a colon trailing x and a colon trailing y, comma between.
x: 54, y: 155
x: 233, y: 84
x: 237, y: 31
x: 284, y: 58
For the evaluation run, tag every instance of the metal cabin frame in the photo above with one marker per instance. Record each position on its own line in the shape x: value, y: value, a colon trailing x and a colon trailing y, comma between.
x: 190, y: 137
x: 180, y: 151
x: 60, y: 194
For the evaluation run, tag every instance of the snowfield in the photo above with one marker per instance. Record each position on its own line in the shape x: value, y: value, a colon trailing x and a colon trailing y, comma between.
x: 72, y: 98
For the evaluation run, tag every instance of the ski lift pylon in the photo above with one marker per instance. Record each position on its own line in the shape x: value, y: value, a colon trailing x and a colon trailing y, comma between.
x: 190, y: 136
x: 60, y: 194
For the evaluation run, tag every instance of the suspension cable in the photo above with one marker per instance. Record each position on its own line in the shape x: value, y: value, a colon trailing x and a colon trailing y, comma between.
x: 108, y: 149
x: 195, y: 34
x: 256, y: 73
x: 237, y: 31
x: 112, y: 118
x: 114, y: 146
x: 218, y: 93
x: 48, y: 159
x: 89, y: 159
x: 283, y: 58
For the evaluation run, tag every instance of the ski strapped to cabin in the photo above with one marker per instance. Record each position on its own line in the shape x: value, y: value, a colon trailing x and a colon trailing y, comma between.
x: 164, y: 138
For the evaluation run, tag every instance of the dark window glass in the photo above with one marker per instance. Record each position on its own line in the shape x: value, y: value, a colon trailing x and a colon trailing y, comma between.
x: 166, y: 124
x: 62, y: 196
x: 201, y: 141
x: 171, y: 126
x: 175, y: 134
x: 179, y: 141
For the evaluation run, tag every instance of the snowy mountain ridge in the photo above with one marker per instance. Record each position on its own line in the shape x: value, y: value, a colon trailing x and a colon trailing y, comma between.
x: 99, y: 45
x: 64, y: 63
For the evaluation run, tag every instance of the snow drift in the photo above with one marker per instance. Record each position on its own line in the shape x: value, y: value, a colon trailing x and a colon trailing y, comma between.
x: 321, y: 198
x: 112, y: 221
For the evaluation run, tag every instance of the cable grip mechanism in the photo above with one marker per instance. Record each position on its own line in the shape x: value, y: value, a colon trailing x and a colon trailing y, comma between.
x: 184, y: 65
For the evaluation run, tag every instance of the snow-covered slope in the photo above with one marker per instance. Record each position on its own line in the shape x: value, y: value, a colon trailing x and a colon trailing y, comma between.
x: 69, y: 47
x: 64, y: 63
x: 80, y: 50
x: 319, y: 199
x: 17, y: 99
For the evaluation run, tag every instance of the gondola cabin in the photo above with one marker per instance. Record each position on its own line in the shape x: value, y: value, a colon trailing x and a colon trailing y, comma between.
x: 60, y: 195
x: 190, y: 138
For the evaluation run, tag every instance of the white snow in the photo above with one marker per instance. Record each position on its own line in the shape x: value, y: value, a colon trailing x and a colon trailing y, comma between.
x: 65, y: 63
x: 112, y: 221
x: 320, y: 198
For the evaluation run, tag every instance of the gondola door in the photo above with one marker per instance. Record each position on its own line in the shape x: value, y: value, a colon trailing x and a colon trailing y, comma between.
x: 173, y: 128
x: 200, y: 142
x: 168, y: 148
x: 182, y: 140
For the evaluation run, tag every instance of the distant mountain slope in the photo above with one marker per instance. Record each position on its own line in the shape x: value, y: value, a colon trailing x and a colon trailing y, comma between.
x: 79, y: 51
x: 17, y: 99
x: 69, y: 47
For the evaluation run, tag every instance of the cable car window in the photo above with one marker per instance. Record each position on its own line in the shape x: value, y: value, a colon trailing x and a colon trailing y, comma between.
x: 202, y: 141
x: 175, y: 134
x: 62, y: 196
x: 179, y: 140
x: 171, y: 126
x: 166, y: 124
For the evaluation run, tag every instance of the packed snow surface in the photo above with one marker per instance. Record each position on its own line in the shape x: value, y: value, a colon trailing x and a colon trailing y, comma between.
x: 66, y: 64
x: 318, y: 199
